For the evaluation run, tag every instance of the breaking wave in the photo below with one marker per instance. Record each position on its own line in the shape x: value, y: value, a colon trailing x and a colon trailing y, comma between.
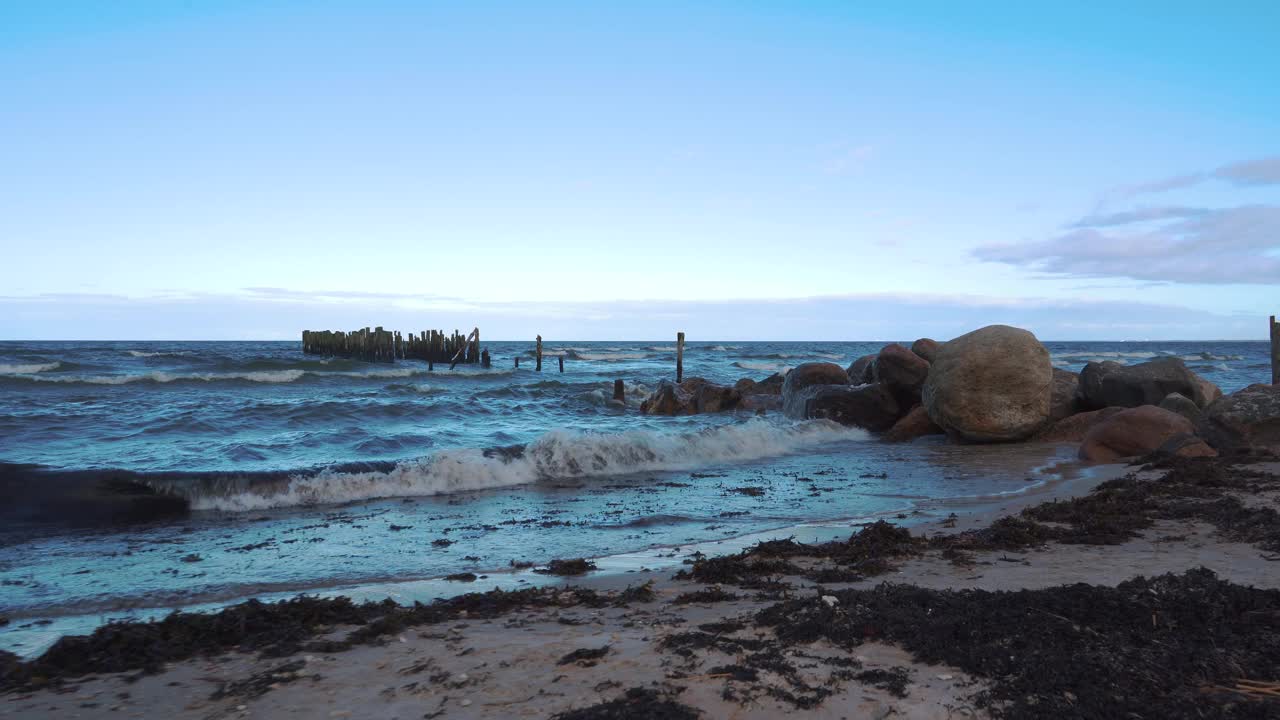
x: 28, y: 368
x: 558, y: 454
x: 769, y: 367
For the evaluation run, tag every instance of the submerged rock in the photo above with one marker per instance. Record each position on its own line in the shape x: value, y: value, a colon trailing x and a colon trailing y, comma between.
x: 990, y: 385
x: 1248, y: 418
x: 1139, y: 431
x: 1111, y: 384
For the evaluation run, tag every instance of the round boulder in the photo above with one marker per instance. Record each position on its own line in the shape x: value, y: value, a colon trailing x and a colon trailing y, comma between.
x: 871, y: 407
x: 1181, y: 404
x: 1111, y: 384
x: 990, y: 385
x: 1133, y: 432
x: 926, y: 348
x: 1248, y: 418
x: 1064, y: 397
x: 807, y: 375
x: 902, y: 372
x: 860, y: 372
x: 913, y: 425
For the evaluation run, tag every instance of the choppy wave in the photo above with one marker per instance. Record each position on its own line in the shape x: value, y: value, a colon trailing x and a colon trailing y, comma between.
x: 257, y: 376
x: 769, y: 367
x: 158, y: 353
x: 28, y: 368
x: 558, y: 454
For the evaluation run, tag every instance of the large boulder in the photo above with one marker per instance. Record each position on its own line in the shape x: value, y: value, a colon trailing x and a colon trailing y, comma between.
x: 1138, y: 431
x: 806, y: 375
x: 860, y: 372
x: 926, y: 348
x: 990, y: 385
x: 913, y: 425
x: 871, y: 406
x: 710, y: 398
x: 1248, y: 418
x: 771, y: 385
x: 902, y: 372
x: 1181, y: 404
x: 1064, y: 395
x: 1111, y: 384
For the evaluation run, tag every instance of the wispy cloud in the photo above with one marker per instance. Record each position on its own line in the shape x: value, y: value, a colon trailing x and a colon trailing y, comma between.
x: 1263, y: 171
x: 1194, y: 245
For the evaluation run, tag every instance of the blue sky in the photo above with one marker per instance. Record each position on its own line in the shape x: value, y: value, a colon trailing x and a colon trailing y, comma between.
x: 736, y: 170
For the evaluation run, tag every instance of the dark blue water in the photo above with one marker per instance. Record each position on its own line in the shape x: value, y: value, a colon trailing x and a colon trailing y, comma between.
x: 289, y: 511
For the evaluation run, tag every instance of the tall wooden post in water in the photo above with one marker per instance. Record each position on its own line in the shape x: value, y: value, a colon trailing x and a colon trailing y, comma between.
x: 539, y: 354
x: 679, y: 357
x: 1275, y: 351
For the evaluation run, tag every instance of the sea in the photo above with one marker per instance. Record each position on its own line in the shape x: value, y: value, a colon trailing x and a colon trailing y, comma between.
x: 333, y: 476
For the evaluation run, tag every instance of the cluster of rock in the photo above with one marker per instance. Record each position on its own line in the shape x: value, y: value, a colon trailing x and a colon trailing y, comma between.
x: 998, y: 384
x: 697, y: 395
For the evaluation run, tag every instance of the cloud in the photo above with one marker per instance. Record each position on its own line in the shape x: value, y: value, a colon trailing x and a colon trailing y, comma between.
x: 882, y: 316
x: 1197, y: 245
x: 1252, y: 173
x: 1256, y: 172
x: 1139, y: 215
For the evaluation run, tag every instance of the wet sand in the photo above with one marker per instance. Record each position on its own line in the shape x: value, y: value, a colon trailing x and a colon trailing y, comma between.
x: 706, y: 656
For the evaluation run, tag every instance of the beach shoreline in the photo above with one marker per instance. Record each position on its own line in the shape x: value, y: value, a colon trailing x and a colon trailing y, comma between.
x: 506, y: 665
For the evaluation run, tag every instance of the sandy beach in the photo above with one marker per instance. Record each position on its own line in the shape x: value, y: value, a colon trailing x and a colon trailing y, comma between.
x: 751, y: 646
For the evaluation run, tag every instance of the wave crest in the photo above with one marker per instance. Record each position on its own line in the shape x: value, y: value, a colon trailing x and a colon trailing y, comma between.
x: 558, y: 454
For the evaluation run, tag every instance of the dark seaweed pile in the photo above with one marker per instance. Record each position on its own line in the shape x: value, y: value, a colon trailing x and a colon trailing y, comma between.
x: 635, y: 704
x: 1149, y: 648
x: 274, y: 630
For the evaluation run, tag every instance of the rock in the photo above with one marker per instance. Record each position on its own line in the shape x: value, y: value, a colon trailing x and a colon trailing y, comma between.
x: 1064, y: 395
x: 760, y: 403
x: 710, y: 398
x: 1209, y: 392
x: 804, y: 376
x: 902, y: 372
x: 1075, y: 427
x: 1132, y: 433
x: 1181, y: 404
x: 871, y: 407
x: 1110, y: 384
x: 1248, y: 418
x: 913, y: 425
x: 771, y: 385
x: 990, y: 385
x: 1185, y: 445
x: 667, y: 399
x: 860, y: 371
x: 926, y: 348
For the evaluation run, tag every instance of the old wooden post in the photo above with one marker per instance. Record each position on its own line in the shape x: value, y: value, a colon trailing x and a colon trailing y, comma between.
x: 561, y: 359
x: 539, y: 354
x: 679, y: 357
x: 1275, y: 351
x: 619, y: 391
x: 517, y: 362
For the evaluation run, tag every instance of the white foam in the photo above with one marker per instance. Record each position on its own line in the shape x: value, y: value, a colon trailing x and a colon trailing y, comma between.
x: 769, y: 367
x: 558, y: 454
x: 28, y: 368
x: 144, y: 354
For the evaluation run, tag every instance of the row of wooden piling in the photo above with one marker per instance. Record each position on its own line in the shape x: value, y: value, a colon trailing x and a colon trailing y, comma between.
x: 378, y: 345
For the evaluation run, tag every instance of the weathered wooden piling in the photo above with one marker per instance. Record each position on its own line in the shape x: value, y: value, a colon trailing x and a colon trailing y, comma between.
x: 679, y: 357
x: 380, y: 345
x: 561, y: 359
x: 1275, y: 351
x: 517, y: 362
x: 619, y: 391
x: 539, y: 354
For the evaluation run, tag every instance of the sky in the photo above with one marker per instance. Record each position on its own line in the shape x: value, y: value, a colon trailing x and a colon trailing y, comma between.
x: 787, y: 170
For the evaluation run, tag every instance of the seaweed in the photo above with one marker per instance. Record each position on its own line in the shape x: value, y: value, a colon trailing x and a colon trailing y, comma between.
x: 584, y: 657
x: 636, y: 704
x: 1147, y: 648
x: 578, y: 566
